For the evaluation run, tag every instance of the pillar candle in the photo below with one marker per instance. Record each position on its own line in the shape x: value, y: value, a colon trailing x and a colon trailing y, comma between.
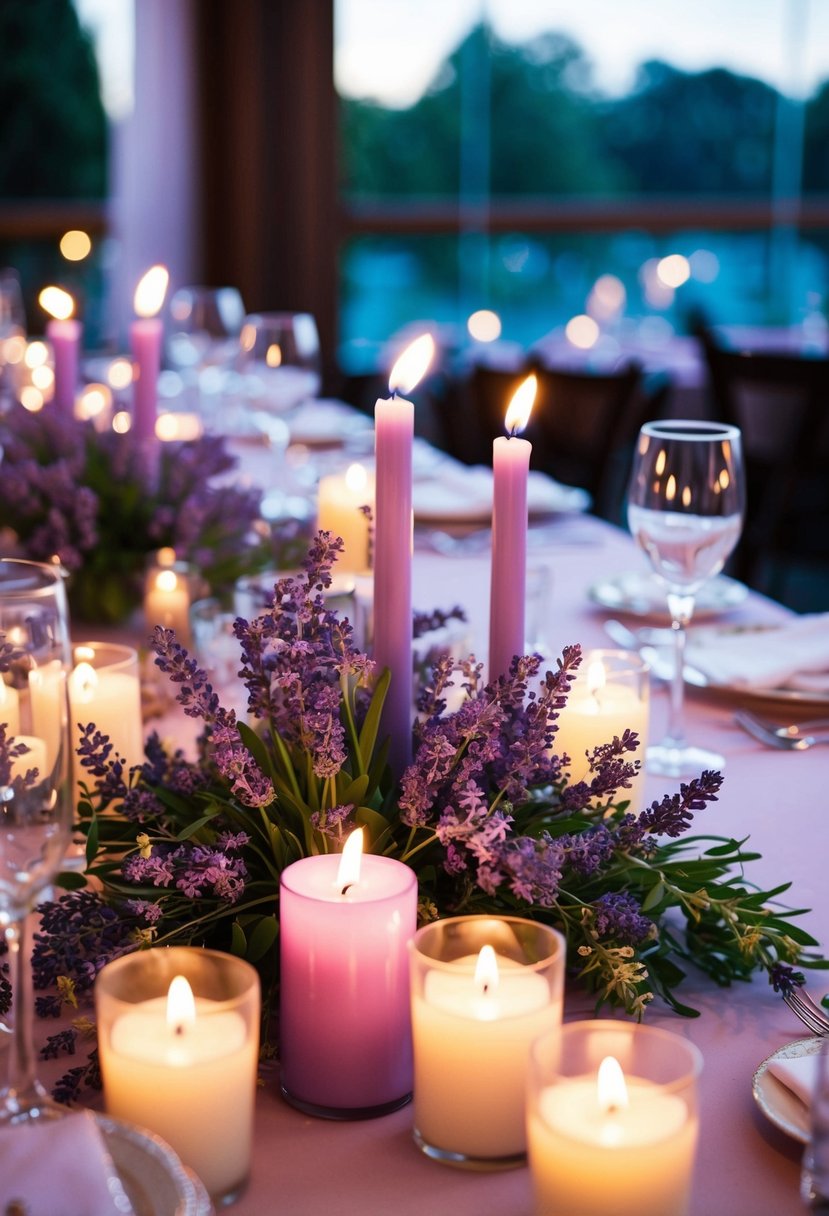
x: 183, y: 1064
x: 65, y: 340
x: 394, y: 433
x: 511, y: 463
x: 146, y: 334
x: 9, y: 708
x: 47, y: 692
x: 33, y: 758
x: 341, y: 497
x: 344, y: 988
x: 104, y: 688
x: 474, y: 1019
x: 167, y: 602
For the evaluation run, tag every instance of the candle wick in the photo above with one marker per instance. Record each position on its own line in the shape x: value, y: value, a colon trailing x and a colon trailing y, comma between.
x: 346, y: 887
x: 486, y: 989
x: 180, y: 1029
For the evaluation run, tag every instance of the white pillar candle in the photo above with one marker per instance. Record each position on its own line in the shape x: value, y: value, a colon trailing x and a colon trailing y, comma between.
x: 9, y: 708
x: 104, y: 688
x: 47, y: 692
x: 184, y: 1067
x: 474, y: 1020
x: 167, y: 602
x: 33, y: 758
x: 341, y: 497
x: 608, y: 697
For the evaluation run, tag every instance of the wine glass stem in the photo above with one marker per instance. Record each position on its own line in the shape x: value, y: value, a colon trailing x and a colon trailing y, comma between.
x: 22, y: 1088
x: 681, y: 608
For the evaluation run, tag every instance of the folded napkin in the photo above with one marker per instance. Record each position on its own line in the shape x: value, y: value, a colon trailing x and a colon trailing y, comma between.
x: 799, y: 1074
x: 792, y: 655
x: 463, y: 494
x: 60, y: 1167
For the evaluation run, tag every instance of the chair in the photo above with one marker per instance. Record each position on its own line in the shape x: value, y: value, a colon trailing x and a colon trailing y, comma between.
x: 583, y: 425
x: 780, y: 401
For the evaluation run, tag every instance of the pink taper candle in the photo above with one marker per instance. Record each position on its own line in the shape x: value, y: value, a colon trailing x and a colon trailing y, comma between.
x: 344, y: 1027
x: 511, y: 463
x: 146, y: 334
x: 64, y: 334
x: 394, y: 432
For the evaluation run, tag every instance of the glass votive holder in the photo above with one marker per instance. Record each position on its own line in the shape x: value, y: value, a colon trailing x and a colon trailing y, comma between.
x: 611, y: 694
x: 612, y: 1120
x: 186, y: 1071
x: 167, y: 594
x: 105, y: 688
x: 483, y: 989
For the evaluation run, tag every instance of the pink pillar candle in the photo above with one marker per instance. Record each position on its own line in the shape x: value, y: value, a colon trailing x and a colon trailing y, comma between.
x: 394, y: 432
x: 145, y: 341
x: 511, y: 463
x: 345, y: 1023
x: 64, y: 337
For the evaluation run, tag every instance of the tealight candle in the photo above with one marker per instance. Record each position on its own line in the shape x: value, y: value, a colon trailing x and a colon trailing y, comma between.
x: 612, y: 1123
x: 64, y: 335
x: 167, y: 600
x: 510, y: 467
x: 609, y: 696
x: 343, y: 938
x: 178, y: 1035
x: 341, y: 499
x: 483, y: 989
x: 146, y: 333
x: 104, y: 688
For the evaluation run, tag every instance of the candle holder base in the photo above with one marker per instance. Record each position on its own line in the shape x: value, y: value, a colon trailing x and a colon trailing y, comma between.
x: 343, y: 1113
x: 461, y: 1161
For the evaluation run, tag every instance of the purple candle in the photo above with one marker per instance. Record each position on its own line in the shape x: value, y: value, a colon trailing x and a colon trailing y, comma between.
x: 345, y: 1029
x: 511, y: 463
x: 146, y: 334
x: 64, y: 334
x: 394, y: 431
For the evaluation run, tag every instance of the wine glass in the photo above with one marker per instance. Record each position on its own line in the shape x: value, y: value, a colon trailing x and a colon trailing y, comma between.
x: 279, y: 358
x: 12, y: 337
x: 35, y: 793
x: 203, y: 337
x: 685, y: 509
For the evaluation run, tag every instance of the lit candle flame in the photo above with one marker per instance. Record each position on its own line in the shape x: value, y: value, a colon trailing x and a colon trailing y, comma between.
x: 519, y: 409
x: 151, y: 290
x: 412, y: 365
x: 596, y: 677
x: 166, y: 580
x: 181, y: 1006
x: 57, y: 302
x: 83, y: 680
x: 486, y: 970
x: 356, y: 478
x: 349, y: 869
x: 611, y: 1090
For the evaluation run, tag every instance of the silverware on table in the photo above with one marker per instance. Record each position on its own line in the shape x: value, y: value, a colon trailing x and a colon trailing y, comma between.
x: 812, y: 1015
x: 758, y: 729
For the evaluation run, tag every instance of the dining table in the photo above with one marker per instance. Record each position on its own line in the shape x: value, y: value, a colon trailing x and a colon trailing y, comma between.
x: 745, y: 1165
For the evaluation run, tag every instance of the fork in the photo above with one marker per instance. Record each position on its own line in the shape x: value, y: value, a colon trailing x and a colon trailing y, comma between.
x: 810, y: 1013
x: 766, y: 734
x: 790, y: 730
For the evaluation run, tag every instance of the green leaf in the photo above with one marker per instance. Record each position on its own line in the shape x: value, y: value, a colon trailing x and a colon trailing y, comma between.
x: 92, y: 840
x: 371, y: 722
x: 654, y: 896
x: 197, y: 825
x: 238, y: 941
x: 261, y: 940
x: 351, y: 791
x: 70, y: 880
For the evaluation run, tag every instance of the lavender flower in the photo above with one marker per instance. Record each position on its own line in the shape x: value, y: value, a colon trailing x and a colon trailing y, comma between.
x: 619, y: 916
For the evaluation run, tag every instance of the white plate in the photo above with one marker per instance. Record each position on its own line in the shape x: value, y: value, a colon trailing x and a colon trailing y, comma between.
x: 777, y: 1102
x: 639, y: 593
x: 156, y: 1182
x: 461, y: 495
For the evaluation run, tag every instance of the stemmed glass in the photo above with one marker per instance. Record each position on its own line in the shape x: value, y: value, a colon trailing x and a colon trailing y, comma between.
x: 35, y: 793
x: 203, y: 337
x: 279, y: 357
x: 685, y: 509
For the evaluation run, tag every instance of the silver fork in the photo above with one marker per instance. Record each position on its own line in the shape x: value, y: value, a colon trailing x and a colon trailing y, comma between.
x: 792, y: 730
x: 769, y: 736
x: 810, y: 1013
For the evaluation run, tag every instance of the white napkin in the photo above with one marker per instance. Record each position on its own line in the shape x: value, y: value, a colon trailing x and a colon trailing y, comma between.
x: 793, y: 655
x: 799, y: 1074
x: 463, y: 494
x: 60, y: 1167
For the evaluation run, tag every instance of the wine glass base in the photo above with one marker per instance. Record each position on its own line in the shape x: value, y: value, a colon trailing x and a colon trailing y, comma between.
x: 26, y: 1107
x: 670, y: 759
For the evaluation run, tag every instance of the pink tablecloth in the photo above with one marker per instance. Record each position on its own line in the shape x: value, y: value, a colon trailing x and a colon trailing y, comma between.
x: 309, y: 1167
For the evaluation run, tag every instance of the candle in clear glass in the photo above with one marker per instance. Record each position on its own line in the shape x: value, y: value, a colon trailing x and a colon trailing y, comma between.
x: 104, y: 688
x: 191, y: 1078
x: 627, y: 1150
x: 472, y: 1033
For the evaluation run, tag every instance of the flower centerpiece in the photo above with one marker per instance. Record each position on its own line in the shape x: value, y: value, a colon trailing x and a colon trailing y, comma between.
x: 101, y: 503
x: 191, y: 852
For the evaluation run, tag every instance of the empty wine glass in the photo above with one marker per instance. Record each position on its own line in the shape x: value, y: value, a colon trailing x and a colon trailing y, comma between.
x: 685, y: 509
x: 35, y: 793
x: 203, y: 337
x: 12, y: 337
x: 279, y: 359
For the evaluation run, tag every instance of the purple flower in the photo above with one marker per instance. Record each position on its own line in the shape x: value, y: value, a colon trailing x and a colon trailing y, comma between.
x: 673, y: 815
x: 619, y: 916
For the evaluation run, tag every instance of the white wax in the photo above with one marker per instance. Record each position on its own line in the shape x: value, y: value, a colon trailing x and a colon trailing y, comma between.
x: 631, y: 1162
x: 590, y: 719
x: 167, y: 603
x: 339, y: 512
x: 113, y: 702
x: 35, y: 757
x: 196, y: 1089
x: 9, y: 708
x: 47, y: 691
x: 471, y: 1052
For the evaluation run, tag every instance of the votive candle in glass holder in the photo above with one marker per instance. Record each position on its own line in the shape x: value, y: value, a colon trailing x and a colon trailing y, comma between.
x: 344, y: 1025
x: 178, y: 1039
x: 611, y: 694
x: 105, y: 688
x: 167, y: 594
x: 484, y: 989
x: 612, y: 1120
